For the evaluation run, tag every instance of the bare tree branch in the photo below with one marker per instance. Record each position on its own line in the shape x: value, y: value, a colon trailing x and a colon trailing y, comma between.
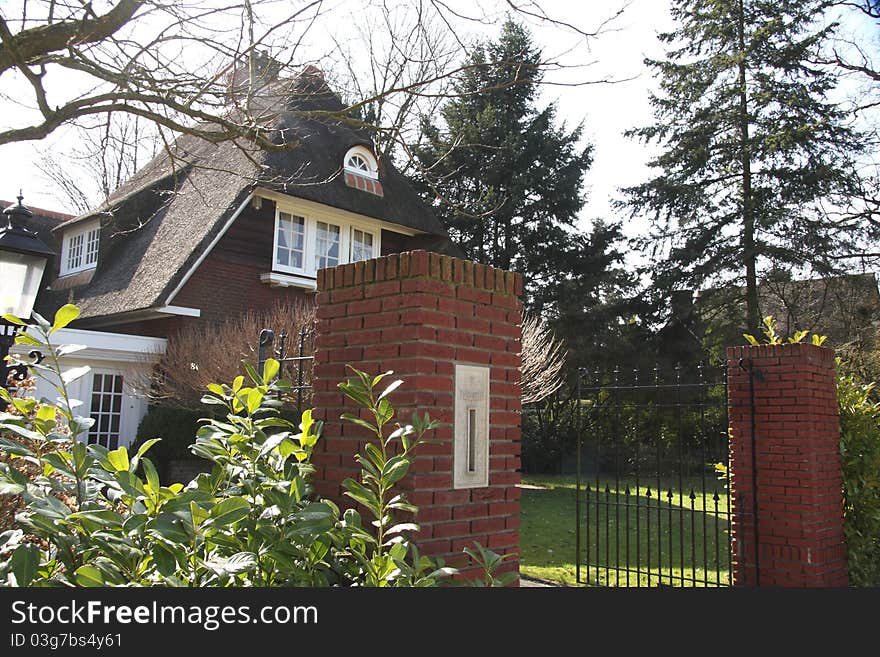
x: 543, y: 359
x: 201, y: 354
x: 29, y: 46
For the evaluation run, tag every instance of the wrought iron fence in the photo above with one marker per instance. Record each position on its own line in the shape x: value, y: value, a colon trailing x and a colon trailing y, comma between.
x: 296, y: 369
x: 653, y: 507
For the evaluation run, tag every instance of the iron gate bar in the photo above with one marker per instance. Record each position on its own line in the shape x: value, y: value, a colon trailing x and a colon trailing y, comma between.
x: 267, y: 343
x: 638, y: 495
x: 680, y: 466
x: 616, y: 506
x: 577, y: 487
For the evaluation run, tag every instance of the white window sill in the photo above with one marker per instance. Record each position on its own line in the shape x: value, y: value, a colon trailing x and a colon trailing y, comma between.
x: 77, y: 270
x: 275, y: 279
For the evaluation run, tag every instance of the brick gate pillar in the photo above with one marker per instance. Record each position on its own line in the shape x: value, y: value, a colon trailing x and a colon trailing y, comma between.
x: 787, y: 502
x: 424, y: 316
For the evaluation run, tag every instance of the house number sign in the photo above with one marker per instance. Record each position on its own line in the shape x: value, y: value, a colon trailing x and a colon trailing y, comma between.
x: 471, y: 431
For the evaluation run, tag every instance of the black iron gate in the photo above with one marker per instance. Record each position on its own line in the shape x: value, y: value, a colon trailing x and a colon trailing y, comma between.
x: 652, y: 484
x: 295, y: 369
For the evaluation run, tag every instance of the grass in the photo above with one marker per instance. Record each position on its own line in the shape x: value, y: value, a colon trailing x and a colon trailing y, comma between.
x: 548, y: 534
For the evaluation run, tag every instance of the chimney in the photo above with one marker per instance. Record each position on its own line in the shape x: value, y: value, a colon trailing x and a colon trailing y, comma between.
x: 265, y: 71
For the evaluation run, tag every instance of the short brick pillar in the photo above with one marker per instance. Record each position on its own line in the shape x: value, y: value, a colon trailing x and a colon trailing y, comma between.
x: 419, y: 314
x: 793, y: 423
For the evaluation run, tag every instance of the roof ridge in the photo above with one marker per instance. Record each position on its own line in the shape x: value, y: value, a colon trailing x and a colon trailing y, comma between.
x: 51, y: 214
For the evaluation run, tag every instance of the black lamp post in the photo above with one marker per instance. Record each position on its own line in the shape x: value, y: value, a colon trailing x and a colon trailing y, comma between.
x: 23, y: 258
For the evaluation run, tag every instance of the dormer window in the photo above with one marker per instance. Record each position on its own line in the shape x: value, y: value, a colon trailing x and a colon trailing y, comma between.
x: 79, y: 250
x: 359, y: 160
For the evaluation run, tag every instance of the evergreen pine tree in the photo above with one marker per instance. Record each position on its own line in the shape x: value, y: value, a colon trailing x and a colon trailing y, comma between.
x: 504, y: 178
x: 755, y: 153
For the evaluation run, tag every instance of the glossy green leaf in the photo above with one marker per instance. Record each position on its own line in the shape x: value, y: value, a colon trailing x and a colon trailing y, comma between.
x: 395, y: 469
x: 252, y: 373
x: 164, y: 559
x: 198, y: 515
x: 254, y: 398
x: 105, y: 517
x: 151, y: 474
x: 378, y: 378
x: 27, y: 339
x: 230, y: 510
x: 13, y: 446
x: 64, y: 316
x: 12, y: 319
x: 20, y: 431
x: 169, y: 528
x: 358, y: 421
x: 129, y: 483
x: 12, y: 475
x: 118, y: 458
x: 10, y: 488
x: 270, y: 370
x: 46, y: 412
x: 147, y: 444
x: 272, y: 442
x: 88, y: 575
x: 241, y: 562
x: 24, y: 563
x: 402, y: 527
x: 217, y: 389
x: 394, y: 385
x: 67, y: 349
x: 74, y: 373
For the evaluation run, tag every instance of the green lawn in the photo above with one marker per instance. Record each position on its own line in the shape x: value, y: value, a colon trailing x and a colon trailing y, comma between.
x: 548, y: 534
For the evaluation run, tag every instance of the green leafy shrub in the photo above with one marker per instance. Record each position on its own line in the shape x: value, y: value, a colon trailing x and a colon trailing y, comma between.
x: 30, y: 410
x: 549, y: 433
x: 176, y: 427
x: 95, y: 517
x: 860, y: 459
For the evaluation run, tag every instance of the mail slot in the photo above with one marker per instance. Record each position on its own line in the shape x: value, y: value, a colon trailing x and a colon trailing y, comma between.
x: 471, y: 431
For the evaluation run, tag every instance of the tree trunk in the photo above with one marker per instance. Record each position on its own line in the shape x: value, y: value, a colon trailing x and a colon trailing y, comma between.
x: 748, y: 235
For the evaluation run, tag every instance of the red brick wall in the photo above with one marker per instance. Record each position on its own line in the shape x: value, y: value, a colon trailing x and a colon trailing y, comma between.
x: 799, y: 487
x: 417, y: 314
x: 223, y: 289
x: 228, y: 281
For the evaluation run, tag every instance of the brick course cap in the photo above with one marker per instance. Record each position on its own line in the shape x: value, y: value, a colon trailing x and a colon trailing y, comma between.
x: 424, y: 265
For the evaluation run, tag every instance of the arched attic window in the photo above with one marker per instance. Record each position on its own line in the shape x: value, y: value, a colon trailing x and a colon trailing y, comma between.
x: 362, y: 170
x: 361, y: 161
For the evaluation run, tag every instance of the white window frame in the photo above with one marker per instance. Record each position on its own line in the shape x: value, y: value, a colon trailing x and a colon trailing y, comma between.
x: 108, y: 412
x: 367, y: 156
x: 90, y: 234
x: 346, y: 228
x: 351, y: 230
x: 290, y: 269
x: 340, y: 258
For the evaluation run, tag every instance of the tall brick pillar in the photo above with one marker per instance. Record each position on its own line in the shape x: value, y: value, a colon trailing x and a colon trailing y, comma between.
x: 421, y: 314
x: 789, y: 496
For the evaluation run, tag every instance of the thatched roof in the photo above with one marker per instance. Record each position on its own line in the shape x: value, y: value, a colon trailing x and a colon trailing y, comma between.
x: 158, y: 223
